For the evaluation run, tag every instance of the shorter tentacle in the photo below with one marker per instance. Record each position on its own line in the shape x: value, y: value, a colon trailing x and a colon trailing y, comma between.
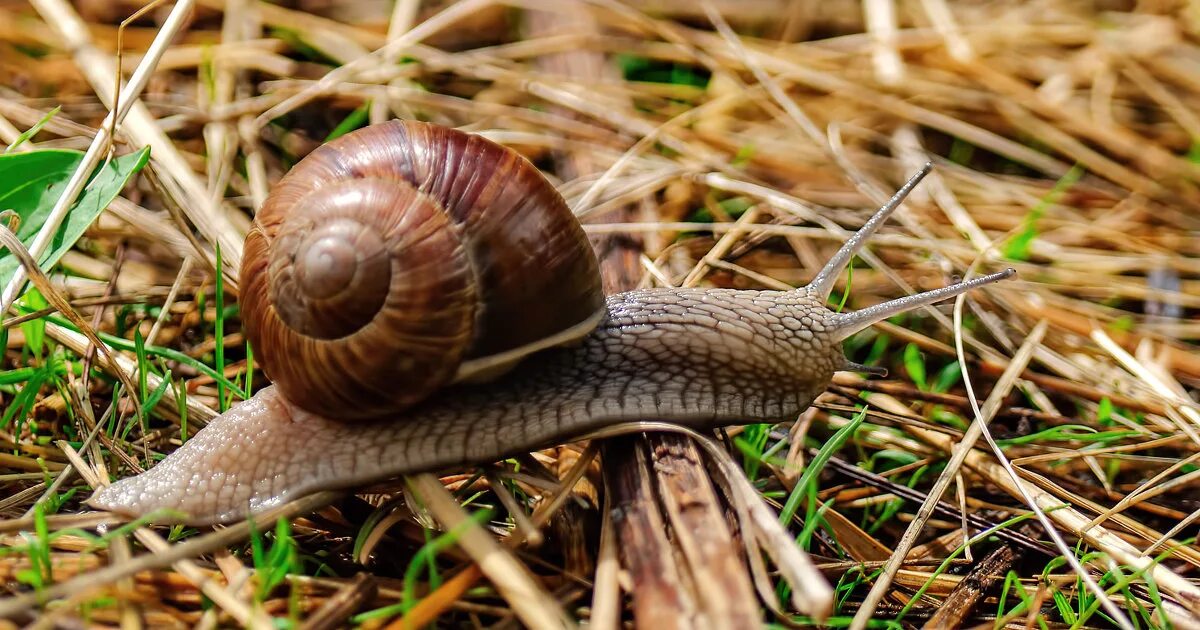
x: 872, y: 370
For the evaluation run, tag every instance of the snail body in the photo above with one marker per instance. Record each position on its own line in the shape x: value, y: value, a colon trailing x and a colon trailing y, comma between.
x: 696, y: 357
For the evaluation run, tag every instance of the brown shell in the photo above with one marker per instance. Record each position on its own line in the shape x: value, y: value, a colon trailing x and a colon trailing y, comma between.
x: 404, y: 255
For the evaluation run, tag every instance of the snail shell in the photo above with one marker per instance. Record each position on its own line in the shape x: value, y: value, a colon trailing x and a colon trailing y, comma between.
x: 404, y: 256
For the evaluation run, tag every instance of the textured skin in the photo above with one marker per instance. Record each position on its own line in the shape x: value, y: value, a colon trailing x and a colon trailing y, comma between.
x: 391, y: 253
x: 697, y: 357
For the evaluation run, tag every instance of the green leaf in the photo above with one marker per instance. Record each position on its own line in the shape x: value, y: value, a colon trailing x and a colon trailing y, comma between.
x: 809, y: 477
x: 752, y: 442
x: 31, y: 182
x: 1068, y: 432
x: 947, y: 377
x: 652, y: 70
x: 219, y: 333
x: 744, y: 154
x: 1104, y: 412
x: 849, y: 283
x: 149, y: 402
x: 914, y: 364
x: 21, y: 404
x: 1018, y: 247
x: 33, y: 131
x: 1123, y: 323
x: 34, y: 329
x: 355, y: 120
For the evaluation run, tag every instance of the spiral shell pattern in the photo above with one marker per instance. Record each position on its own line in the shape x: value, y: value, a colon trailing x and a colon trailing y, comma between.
x: 389, y: 257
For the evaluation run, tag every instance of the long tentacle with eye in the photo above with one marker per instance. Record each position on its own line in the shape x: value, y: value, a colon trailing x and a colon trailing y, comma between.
x: 846, y: 324
x: 822, y: 284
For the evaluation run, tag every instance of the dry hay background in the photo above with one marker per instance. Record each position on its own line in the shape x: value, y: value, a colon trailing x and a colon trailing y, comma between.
x: 1065, y: 141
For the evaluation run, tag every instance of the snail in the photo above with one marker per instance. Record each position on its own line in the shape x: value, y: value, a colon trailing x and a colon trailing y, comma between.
x: 520, y: 350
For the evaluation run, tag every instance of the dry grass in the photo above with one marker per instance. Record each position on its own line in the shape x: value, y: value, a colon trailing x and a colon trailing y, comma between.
x: 1067, y: 145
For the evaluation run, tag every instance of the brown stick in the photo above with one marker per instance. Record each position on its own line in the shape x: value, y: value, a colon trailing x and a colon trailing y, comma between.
x: 718, y: 575
x: 660, y: 599
x: 970, y: 590
x: 344, y: 603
